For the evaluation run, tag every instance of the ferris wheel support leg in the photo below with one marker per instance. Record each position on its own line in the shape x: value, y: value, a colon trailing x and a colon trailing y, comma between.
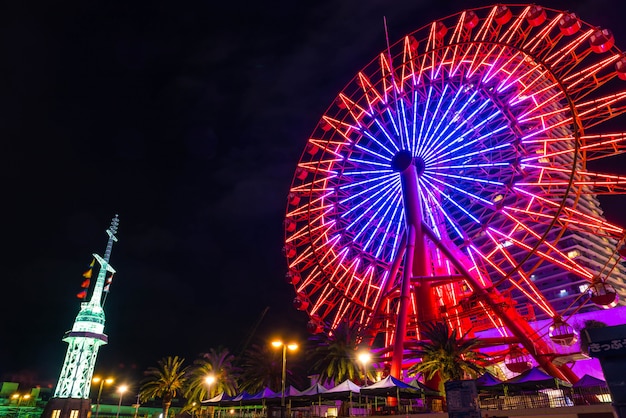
x: 416, y: 258
x: 405, y: 299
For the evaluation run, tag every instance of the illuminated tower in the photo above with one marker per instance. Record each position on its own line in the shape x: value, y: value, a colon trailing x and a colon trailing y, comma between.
x: 71, y: 396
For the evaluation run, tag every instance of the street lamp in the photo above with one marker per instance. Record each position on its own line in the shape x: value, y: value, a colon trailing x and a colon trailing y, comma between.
x: 364, y: 358
x: 121, y: 390
x: 292, y: 347
x: 102, y: 382
x: 209, y: 380
x: 19, y: 399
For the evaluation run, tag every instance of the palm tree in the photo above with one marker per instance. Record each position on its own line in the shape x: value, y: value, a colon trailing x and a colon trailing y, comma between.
x: 261, y: 367
x: 217, y: 363
x: 446, y: 355
x: 165, y: 381
x: 334, y: 356
x: 584, y: 339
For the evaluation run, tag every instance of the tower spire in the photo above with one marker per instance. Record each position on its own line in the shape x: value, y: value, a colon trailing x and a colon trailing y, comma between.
x: 96, y: 297
x: 71, y: 396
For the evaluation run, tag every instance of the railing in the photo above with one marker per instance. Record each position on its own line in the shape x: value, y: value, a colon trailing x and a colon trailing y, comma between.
x: 548, y: 398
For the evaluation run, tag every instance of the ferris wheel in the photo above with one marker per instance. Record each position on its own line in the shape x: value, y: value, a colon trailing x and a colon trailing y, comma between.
x: 455, y: 169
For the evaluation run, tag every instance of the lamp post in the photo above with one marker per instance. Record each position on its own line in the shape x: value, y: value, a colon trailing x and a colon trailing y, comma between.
x: 364, y: 358
x: 19, y: 401
x: 121, y: 390
x: 292, y: 347
x: 209, y: 380
x: 102, y: 382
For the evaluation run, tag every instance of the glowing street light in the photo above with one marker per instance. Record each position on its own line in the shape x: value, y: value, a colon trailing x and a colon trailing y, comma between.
x: 364, y: 358
x: 121, y: 390
x: 291, y: 347
x: 102, y: 381
x: 19, y: 399
x: 209, y: 380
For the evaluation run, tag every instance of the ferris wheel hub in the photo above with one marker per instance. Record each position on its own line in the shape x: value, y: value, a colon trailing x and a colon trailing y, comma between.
x: 401, y: 161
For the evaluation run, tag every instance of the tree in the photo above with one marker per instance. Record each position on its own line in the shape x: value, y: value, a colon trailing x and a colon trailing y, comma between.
x: 334, y: 356
x: 218, y: 363
x: 261, y: 367
x: 443, y: 353
x: 584, y: 337
x: 165, y: 381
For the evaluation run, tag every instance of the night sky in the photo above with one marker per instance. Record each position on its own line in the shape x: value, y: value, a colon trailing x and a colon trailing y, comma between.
x: 187, y: 119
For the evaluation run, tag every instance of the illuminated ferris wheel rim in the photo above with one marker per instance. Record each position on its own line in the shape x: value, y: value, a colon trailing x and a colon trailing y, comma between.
x: 319, y: 194
x: 386, y: 165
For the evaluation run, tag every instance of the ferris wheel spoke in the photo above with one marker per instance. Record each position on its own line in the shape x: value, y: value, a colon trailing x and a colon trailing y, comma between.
x: 370, y: 93
x: 538, y: 99
x: 318, y: 225
x: 328, y: 146
x: 560, y: 258
x: 596, y: 183
x: 314, y: 206
x: 555, y: 255
x: 594, y: 112
x: 435, y: 115
x: 560, y: 55
x: 603, y: 145
x: 543, y: 42
x: 511, y: 73
x: 357, y: 112
x: 468, y: 144
x: 324, y: 166
x: 395, y: 204
x: 570, y: 213
x: 460, y: 190
x: 453, y: 201
x: 524, y: 284
x: 407, y: 66
x: 594, y: 147
x: 319, y: 185
x: 444, y: 117
x: 382, y: 197
x: 373, y: 184
x: 485, y: 31
x: 441, y: 140
x: 515, y: 35
x: 570, y: 219
x: 311, y: 283
x: 589, y: 79
x: 383, y: 243
x: 478, y: 270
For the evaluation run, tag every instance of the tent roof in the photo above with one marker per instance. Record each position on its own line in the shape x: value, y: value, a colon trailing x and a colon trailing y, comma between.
x: 488, y: 380
x: 535, y: 378
x: 389, y: 382
x: 342, y: 390
x: 266, y: 393
x: 390, y: 386
x: 291, y: 392
x: 314, y: 390
x: 588, y: 381
x: 216, y: 399
x: 243, y: 396
x: 423, y: 387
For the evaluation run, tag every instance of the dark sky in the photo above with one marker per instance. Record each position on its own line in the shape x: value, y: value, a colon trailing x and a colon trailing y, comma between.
x: 187, y: 119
